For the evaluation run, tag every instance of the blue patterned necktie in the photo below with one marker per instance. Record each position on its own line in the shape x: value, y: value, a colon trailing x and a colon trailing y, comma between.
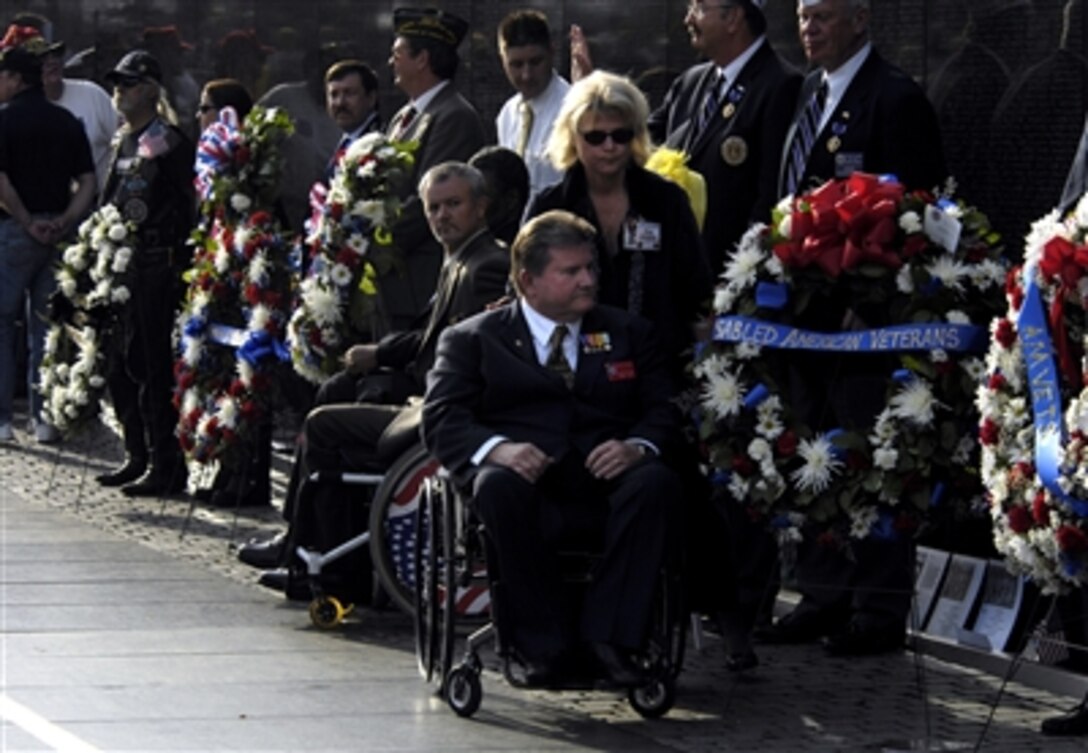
x: 713, y: 100
x: 804, y: 137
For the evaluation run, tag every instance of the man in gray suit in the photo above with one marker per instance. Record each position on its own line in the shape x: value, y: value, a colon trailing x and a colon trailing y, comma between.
x: 445, y: 126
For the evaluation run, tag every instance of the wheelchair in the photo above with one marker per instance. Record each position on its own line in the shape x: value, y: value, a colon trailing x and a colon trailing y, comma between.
x: 394, y: 485
x: 452, y: 556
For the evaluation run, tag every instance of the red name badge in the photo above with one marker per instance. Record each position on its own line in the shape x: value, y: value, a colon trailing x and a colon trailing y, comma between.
x: 620, y: 371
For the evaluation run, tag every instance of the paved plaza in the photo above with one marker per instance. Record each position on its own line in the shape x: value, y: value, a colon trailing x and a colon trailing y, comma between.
x: 129, y: 625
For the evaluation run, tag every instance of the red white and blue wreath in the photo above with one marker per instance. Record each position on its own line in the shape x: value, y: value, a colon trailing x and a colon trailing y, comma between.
x: 236, y: 308
x: 1034, y: 408
x: 348, y: 245
x: 932, y: 261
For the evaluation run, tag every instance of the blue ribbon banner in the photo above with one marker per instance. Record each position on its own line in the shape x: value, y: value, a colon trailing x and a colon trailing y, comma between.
x: 252, y: 346
x: 901, y: 337
x: 1046, y: 399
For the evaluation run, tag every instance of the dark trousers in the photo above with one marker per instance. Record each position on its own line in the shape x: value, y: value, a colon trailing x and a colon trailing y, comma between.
x: 628, y: 519
x: 141, y: 378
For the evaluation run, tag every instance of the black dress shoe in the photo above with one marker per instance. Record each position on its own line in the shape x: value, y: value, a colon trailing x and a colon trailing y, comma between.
x: 265, y: 554
x: 157, y: 483
x: 295, y: 586
x: 860, y: 641
x: 535, y: 673
x: 616, y: 666
x: 127, y: 472
x: 795, y: 627
x: 1071, y: 724
x: 742, y: 662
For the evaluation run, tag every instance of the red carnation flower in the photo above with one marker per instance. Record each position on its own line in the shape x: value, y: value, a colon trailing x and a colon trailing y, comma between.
x: 1040, y: 511
x: 1006, y: 333
x: 1072, y: 539
x: 786, y: 444
x: 743, y: 465
x: 997, y: 381
x: 1020, y: 520
x: 989, y: 432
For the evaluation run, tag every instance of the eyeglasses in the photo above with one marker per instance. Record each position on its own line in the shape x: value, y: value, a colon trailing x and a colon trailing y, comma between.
x: 126, y: 83
x: 620, y: 136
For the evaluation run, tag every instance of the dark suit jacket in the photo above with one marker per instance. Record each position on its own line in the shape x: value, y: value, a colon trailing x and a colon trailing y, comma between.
x: 487, y: 381
x: 473, y: 277
x: 883, y: 124
x: 676, y: 280
x: 449, y: 128
x: 738, y: 156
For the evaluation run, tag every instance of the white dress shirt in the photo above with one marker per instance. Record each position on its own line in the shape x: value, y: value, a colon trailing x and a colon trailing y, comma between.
x: 545, y: 109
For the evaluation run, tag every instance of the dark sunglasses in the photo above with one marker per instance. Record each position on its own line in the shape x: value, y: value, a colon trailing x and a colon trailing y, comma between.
x: 619, y: 136
x: 126, y: 82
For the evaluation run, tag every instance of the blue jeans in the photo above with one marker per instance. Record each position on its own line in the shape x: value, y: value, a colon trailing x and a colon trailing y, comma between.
x: 26, y: 270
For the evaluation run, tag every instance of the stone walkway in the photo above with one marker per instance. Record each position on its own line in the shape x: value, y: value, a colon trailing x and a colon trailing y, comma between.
x: 797, y: 700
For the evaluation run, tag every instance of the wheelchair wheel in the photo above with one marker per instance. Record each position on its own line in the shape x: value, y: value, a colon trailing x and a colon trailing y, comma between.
x: 435, y: 587
x: 393, y: 524
x: 464, y: 691
x: 326, y: 612
x: 654, y: 698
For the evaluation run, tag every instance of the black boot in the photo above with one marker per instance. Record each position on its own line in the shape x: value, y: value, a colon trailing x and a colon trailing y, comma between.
x: 169, y: 477
x: 130, y: 470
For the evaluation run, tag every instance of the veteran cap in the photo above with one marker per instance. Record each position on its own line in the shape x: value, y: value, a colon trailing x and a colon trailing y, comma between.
x: 430, y: 23
x: 29, y: 38
x: 138, y: 65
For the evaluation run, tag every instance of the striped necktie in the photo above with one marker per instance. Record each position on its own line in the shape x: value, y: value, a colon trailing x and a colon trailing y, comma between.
x: 557, y: 359
x: 713, y: 100
x: 804, y: 137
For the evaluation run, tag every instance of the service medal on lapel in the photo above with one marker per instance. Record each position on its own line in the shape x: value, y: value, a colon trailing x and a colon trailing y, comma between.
x: 596, y: 342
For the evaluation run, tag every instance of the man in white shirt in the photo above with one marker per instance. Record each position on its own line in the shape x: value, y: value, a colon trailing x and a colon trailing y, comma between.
x: 89, y: 102
x: 525, y: 122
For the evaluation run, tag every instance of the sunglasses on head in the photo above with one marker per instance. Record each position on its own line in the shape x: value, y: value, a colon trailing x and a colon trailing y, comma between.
x: 619, y: 136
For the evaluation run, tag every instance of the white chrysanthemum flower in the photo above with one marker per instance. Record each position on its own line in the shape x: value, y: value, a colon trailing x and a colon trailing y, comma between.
x: 117, y: 232
x: 190, y: 401
x: 885, y: 458
x: 228, y: 412
x: 949, y: 271
x: 884, y: 428
x: 742, y: 266
x: 365, y: 144
x: 914, y: 403
x: 904, y: 280
x: 245, y: 372
x: 192, y: 349
x: 769, y: 425
x: 738, y: 487
x: 774, y: 267
x: 324, y: 304
x: 975, y: 368
x: 240, y: 202
x: 259, y: 318
x: 242, y: 234
x: 97, y: 381
x: 259, y: 269
x: 986, y: 274
x: 725, y: 297
x: 910, y: 222
x: 938, y: 356
x: 819, y: 467
x: 340, y: 275
x: 723, y: 394
x: 1042, y: 230
x: 358, y: 243
x: 222, y: 260
x: 67, y: 283
x: 861, y: 521
x: 371, y: 209
x: 52, y: 339
x: 120, y: 294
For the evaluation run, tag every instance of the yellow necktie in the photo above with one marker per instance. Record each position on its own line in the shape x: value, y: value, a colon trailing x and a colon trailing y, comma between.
x: 526, y: 128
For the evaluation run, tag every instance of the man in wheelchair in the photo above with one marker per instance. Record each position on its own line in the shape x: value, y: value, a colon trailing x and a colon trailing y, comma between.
x: 554, y: 410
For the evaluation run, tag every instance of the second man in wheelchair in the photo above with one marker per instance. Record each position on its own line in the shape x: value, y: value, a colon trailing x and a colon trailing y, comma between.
x: 557, y: 411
